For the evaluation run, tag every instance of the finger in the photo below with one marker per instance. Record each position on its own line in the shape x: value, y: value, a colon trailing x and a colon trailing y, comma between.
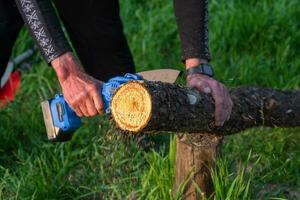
x: 83, y: 109
x: 98, y: 102
x: 91, y: 109
x: 74, y: 106
x: 78, y: 112
x: 231, y: 107
x: 218, y: 96
x: 229, y: 104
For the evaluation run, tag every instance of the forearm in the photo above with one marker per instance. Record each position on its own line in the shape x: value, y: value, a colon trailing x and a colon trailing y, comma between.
x: 66, y: 65
x: 43, y: 24
x: 192, y: 21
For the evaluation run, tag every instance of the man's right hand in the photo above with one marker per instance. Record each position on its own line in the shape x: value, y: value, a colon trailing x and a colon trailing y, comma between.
x: 81, y: 91
x: 223, y: 101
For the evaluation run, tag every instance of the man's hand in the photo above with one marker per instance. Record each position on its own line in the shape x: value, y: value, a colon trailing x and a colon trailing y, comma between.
x: 81, y: 91
x: 223, y: 102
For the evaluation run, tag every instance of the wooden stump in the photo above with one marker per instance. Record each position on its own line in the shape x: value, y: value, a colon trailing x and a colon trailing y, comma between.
x: 195, y: 156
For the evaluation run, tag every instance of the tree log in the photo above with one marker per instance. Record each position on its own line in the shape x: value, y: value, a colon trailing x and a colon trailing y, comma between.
x: 156, y: 106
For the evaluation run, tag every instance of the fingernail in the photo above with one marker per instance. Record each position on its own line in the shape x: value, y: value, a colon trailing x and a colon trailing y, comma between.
x: 100, y: 111
x: 207, y: 90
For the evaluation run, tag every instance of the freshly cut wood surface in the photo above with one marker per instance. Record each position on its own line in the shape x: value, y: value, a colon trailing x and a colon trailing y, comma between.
x: 156, y: 106
x: 131, y: 107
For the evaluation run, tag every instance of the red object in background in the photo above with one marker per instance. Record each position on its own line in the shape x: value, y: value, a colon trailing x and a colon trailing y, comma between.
x: 7, y: 93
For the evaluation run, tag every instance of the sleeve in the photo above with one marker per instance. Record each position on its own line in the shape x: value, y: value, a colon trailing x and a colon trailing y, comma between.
x: 43, y: 24
x: 192, y: 21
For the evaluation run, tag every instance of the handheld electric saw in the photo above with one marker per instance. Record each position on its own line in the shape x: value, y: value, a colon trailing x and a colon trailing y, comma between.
x: 61, y: 121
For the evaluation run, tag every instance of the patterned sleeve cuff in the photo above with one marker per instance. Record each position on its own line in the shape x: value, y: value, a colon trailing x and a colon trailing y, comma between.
x: 55, y: 55
x: 44, y: 27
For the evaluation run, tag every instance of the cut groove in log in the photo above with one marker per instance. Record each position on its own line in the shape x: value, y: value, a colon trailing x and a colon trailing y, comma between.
x: 156, y: 106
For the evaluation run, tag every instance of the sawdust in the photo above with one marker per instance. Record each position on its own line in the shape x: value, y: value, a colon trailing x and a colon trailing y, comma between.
x: 131, y: 106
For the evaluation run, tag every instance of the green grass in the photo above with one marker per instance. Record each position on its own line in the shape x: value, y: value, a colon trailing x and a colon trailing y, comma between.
x: 252, y: 43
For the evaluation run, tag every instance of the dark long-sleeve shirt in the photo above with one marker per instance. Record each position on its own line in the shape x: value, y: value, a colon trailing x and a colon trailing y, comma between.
x: 192, y: 21
x: 44, y: 26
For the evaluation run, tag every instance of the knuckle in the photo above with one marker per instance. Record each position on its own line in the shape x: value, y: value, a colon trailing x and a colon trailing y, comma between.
x: 72, y: 104
x: 214, y: 84
x: 93, y: 87
x: 83, y: 95
x: 192, y: 82
x: 199, y: 84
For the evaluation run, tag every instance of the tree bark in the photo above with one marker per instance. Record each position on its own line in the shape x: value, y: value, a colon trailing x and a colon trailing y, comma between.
x: 156, y: 106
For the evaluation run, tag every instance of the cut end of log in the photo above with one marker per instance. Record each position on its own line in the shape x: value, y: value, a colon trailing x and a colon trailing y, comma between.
x: 131, y: 106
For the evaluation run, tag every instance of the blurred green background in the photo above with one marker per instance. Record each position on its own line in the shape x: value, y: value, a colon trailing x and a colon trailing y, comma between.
x: 251, y: 42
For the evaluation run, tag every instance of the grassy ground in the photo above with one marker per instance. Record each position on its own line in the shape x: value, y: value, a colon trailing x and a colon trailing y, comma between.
x: 252, y: 42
